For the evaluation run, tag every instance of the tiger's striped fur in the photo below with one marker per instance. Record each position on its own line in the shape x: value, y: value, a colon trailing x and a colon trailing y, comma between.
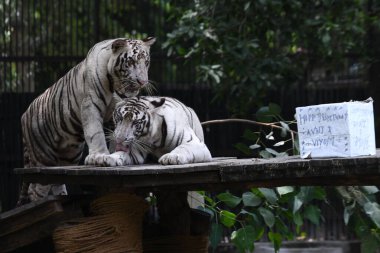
x: 72, y: 111
x: 161, y: 126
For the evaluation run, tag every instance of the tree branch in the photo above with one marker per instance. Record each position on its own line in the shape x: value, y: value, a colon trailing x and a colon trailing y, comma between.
x: 247, y: 121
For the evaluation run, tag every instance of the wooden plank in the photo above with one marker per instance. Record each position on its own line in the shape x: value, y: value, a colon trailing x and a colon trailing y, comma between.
x: 28, y: 214
x: 34, y: 221
x: 225, y: 173
x: 29, y: 223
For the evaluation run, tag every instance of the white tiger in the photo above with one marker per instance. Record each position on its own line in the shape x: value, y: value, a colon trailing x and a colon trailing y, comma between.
x: 72, y: 111
x: 161, y: 126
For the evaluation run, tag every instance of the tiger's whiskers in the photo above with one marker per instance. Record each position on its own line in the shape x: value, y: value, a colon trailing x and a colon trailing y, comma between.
x: 109, y: 134
x: 143, y: 146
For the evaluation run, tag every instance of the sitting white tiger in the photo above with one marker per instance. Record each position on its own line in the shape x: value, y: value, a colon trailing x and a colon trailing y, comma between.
x: 160, y: 126
x: 72, y: 111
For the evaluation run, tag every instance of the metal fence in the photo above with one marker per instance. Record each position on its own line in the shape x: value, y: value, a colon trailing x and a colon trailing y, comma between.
x: 42, y: 39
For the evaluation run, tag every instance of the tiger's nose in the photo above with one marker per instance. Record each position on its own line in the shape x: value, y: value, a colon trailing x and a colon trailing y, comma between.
x: 142, y: 82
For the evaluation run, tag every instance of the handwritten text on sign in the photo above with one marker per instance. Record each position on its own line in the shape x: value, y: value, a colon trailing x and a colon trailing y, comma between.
x: 341, y: 129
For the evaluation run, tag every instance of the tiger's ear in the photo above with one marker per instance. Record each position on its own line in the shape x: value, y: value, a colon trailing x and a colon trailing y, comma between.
x: 158, y: 103
x: 117, y: 44
x: 149, y: 41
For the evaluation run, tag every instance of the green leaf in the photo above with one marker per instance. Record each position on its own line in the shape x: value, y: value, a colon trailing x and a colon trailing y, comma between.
x: 285, y: 125
x: 246, y: 6
x: 370, y: 189
x: 308, y: 193
x: 259, y: 232
x: 283, y: 229
x: 214, y: 75
x: 268, y: 216
x: 297, y: 204
x: 285, y: 190
x: 326, y: 38
x: 272, y: 151
x: 264, y: 114
x: 209, y: 200
x: 319, y: 193
x: 249, y: 135
x: 254, y: 146
x: 215, y: 234
x: 269, y: 136
x: 313, y: 214
x: 269, y: 194
x: 243, y: 148
x: 227, y: 218
x: 348, y: 211
x: 296, y: 146
x: 265, y: 154
x: 285, y: 129
x: 243, y: 211
x: 280, y: 143
x: 274, y: 109
x: 373, y: 211
x: 229, y: 199
x: 276, y: 239
x: 250, y: 199
x: 210, y: 211
x: 297, y: 218
x: 243, y: 239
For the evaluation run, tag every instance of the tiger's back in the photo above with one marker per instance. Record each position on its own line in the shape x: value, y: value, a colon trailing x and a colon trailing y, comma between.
x: 51, y: 126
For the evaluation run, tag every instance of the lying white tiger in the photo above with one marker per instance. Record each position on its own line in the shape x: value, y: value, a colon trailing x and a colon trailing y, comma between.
x: 161, y: 126
x: 72, y: 111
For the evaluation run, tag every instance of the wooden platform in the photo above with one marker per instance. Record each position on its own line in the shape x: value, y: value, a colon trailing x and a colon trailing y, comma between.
x: 219, y: 174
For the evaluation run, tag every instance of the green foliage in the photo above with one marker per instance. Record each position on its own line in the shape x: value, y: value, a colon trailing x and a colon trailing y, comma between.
x: 275, y: 211
x: 263, y: 211
x: 267, y: 211
x: 245, y: 49
x: 274, y: 137
x: 362, y: 214
x: 244, y: 238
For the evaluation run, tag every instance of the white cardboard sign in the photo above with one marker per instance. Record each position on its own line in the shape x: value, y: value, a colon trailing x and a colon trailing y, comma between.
x: 336, y: 130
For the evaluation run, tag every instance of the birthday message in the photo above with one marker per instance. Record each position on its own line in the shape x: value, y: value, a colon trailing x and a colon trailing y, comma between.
x: 340, y: 129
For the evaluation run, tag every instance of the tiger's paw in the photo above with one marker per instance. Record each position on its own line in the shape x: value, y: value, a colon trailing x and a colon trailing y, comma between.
x: 114, y: 159
x: 171, y: 158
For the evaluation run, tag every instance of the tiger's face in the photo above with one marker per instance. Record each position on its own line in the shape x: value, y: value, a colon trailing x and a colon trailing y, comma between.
x: 132, y: 125
x: 129, y: 64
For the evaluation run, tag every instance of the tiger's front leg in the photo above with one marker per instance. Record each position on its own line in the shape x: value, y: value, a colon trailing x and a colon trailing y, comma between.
x: 194, y: 151
x: 92, y: 121
x: 119, y: 158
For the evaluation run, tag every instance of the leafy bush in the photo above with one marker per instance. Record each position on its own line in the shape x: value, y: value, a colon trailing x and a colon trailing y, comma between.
x: 244, y: 49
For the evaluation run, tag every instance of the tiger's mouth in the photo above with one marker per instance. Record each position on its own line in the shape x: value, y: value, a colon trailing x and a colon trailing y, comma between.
x: 121, y: 147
